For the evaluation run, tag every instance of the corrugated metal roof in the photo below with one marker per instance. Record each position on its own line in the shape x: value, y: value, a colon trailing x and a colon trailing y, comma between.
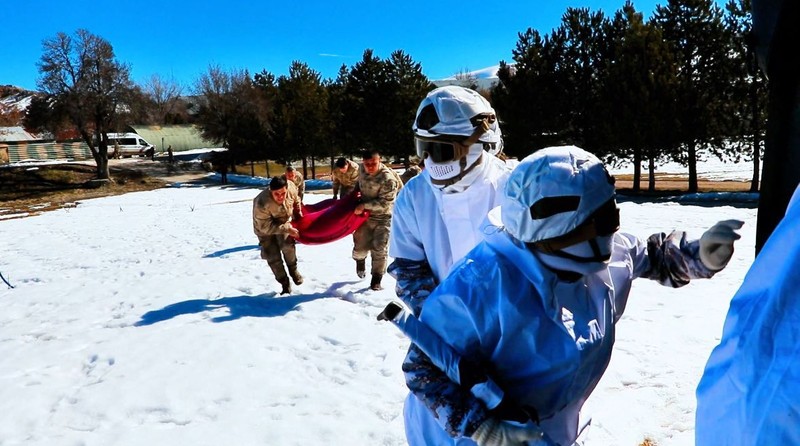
x: 180, y: 137
x: 14, y: 134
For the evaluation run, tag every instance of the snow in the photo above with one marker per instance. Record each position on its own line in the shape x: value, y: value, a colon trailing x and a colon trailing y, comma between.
x: 709, y: 168
x: 20, y: 101
x: 484, y: 73
x: 149, y: 318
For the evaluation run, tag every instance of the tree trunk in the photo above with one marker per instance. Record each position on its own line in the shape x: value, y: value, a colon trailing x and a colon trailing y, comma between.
x: 99, y: 152
x: 651, y: 167
x: 782, y: 148
x: 637, y: 169
x: 781, y: 156
x: 313, y: 168
x: 692, y: 153
x: 103, y: 170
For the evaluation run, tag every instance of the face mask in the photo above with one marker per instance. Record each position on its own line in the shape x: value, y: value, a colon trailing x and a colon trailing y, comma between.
x: 448, y: 170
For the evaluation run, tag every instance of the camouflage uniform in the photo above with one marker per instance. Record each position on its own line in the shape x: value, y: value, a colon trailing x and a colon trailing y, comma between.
x: 412, y: 171
x: 271, y: 224
x: 299, y: 184
x: 345, y: 183
x: 378, y: 193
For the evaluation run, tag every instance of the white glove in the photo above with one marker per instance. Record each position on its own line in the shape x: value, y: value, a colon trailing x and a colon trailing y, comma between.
x: 503, y: 433
x: 716, y: 244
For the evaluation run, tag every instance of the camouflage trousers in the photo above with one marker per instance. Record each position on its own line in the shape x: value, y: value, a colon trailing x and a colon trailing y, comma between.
x: 373, y: 238
x: 272, y: 246
x: 346, y: 190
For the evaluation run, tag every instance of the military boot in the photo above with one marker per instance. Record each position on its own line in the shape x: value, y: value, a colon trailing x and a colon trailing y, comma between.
x: 287, y: 287
x: 376, y: 282
x: 361, y: 268
x: 297, y: 278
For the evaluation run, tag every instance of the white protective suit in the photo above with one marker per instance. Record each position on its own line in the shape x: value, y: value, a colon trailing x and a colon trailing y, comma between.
x: 438, y: 228
x: 750, y: 391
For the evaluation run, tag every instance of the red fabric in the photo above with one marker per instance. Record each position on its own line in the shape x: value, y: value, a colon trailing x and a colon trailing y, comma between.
x: 329, y: 220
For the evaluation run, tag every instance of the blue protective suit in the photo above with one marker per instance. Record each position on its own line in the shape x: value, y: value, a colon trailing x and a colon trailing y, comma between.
x: 544, y: 340
x: 750, y: 391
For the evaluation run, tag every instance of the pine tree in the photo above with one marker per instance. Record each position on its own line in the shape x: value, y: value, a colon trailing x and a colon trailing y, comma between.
x: 694, y: 30
x: 636, y: 102
x: 302, y: 115
x: 526, y: 97
x: 578, y: 72
x: 748, y: 87
x: 363, y: 97
x: 407, y: 86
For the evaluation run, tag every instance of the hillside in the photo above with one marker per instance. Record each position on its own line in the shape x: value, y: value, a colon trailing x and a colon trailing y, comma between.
x: 13, y: 103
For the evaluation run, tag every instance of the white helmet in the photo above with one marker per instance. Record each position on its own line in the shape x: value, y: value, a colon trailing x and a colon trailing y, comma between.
x: 453, y: 126
x: 559, y: 197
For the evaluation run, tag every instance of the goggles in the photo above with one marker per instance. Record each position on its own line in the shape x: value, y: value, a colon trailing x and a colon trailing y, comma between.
x: 440, y: 151
x: 603, y: 222
x: 446, y: 148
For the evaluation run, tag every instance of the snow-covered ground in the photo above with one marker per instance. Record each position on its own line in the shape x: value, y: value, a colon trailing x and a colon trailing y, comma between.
x: 708, y: 168
x: 149, y: 318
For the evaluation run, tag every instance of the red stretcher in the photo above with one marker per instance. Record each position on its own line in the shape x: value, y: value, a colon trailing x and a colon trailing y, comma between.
x: 329, y: 220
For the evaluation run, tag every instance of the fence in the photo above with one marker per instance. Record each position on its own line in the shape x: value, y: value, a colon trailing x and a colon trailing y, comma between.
x: 46, y: 151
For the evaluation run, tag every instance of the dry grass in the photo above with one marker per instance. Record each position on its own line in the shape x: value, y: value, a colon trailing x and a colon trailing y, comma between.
x: 680, y: 184
x: 648, y: 442
x: 28, y: 191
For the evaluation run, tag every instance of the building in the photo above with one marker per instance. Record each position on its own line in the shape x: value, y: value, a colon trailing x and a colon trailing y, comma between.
x: 180, y: 137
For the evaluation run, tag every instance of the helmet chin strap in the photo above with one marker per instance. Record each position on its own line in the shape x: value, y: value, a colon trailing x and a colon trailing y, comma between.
x: 597, y: 255
x: 572, y: 262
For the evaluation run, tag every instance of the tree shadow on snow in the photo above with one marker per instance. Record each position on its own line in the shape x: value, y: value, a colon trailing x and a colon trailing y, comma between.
x: 238, y: 307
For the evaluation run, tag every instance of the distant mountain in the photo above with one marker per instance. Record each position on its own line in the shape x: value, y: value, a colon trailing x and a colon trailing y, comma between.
x: 485, y: 78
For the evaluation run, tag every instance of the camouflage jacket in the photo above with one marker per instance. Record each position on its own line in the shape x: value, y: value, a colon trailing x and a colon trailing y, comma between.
x: 271, y: 218
x: 346, y: 179
x: 412, y: 171
x: 298, y: 182
x: 379, y: 191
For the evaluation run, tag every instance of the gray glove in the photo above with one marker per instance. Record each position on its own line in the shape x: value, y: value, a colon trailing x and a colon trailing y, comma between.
x: 716, y: 244
x: 493, y: 432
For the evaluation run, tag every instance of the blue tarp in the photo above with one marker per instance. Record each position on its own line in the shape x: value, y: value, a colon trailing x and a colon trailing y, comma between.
x: 263, y: 181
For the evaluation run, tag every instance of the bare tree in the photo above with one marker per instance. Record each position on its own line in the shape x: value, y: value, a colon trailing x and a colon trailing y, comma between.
x: 86, y: 82
x: 164, y: 95
x: 467, y: 79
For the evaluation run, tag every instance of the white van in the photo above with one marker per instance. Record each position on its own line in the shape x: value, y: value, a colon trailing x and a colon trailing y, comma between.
x: 127, y: 144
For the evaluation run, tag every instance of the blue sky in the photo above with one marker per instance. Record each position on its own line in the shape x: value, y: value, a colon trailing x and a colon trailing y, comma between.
x: 180, y: 40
